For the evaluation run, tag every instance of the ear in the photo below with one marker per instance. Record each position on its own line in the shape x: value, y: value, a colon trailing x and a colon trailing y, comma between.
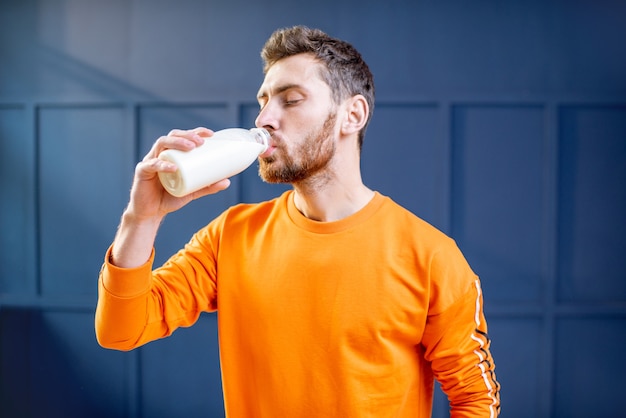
x: 355, y: 116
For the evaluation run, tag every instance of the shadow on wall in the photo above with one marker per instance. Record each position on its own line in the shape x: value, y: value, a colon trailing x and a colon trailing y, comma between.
x: 52, y: 366
x: 44, y: 375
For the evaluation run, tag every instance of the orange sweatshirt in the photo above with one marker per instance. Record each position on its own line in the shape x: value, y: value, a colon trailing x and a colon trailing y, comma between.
x: 352, y: 318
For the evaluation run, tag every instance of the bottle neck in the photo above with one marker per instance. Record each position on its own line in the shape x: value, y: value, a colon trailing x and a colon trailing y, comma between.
x: 262, y: 136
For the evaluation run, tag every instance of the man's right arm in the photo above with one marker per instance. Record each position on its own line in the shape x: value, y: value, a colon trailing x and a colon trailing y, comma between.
x: 150, y: 202
x: 134, y: 241
x: 124, y: 282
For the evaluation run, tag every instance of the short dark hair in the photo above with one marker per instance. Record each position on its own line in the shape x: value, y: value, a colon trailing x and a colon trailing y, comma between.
x: 346, y: 73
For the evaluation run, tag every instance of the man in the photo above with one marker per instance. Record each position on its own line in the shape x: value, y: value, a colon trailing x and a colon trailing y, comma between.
x: 333, y: 300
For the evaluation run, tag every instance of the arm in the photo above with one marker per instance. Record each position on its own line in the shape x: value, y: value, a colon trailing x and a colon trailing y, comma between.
x: 457, y: 344
x: 139, y: 305
x: 126, y: 277
x: 150, y: 203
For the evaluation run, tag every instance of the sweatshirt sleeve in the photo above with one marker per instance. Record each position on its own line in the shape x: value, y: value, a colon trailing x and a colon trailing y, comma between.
x: 122, y: 304
x: 139, y: 305
x: 456, y: 341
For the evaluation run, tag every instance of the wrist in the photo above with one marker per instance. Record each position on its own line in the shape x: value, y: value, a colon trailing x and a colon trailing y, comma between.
x: 132, y: 218
x: 134, y: 240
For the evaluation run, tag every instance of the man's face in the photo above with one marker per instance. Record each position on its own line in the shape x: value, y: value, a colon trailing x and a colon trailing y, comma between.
x: 297, y: 108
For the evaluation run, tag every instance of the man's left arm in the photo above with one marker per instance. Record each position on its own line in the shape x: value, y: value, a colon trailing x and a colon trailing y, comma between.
x: 458, y: 348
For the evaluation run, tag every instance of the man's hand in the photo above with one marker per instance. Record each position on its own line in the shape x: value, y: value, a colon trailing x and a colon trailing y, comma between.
x: 150, y: 202
x: 148, y: 197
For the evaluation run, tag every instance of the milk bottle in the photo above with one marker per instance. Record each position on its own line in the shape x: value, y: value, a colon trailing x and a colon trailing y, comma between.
x: 226, y: 153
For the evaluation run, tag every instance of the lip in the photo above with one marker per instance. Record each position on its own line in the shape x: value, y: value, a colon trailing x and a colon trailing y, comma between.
x: 269, y: 151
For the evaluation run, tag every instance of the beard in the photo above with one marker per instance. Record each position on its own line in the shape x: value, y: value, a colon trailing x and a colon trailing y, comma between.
x: 309, y: 159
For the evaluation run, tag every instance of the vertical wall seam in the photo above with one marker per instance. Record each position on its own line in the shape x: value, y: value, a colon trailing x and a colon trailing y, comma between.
x: 445, y: 185
x: 135, y: 129
x: 451, y: 155
x: 550, y: 242
x: 35, y: 118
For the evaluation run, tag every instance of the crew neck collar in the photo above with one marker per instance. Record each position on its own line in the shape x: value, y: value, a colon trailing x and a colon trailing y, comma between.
x: 335, y: 226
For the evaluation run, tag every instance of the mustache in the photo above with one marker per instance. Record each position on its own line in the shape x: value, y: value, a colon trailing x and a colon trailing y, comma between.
x: 276, y: 137
x: 276, y: 140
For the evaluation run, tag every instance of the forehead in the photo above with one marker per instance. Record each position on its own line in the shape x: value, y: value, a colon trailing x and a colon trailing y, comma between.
x: 298, y: 70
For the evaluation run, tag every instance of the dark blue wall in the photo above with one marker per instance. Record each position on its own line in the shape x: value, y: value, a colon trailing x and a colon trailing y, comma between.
x: 501, y: 122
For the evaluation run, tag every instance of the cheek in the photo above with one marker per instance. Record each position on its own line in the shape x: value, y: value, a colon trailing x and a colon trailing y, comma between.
x: 304, y: 122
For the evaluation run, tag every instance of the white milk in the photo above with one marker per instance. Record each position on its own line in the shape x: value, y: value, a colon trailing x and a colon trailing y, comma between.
x: 227, y: 153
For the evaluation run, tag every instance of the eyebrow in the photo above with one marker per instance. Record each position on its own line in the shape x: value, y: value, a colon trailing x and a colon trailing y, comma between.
x: 279, y: 90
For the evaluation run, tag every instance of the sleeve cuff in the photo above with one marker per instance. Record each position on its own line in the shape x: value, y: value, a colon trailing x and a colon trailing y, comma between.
x: 126, y: 282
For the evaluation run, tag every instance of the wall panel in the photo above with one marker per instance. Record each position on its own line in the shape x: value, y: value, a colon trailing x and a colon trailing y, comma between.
x: 84, y: 175
x: 180, y: 376
x: 517, y: 351
x: 402, y: 157
x: 589, y: 367
x: 18, y: 250
x: 93, y: 380
x: 497, y: 181
x: 52, y: 367
x: 16, y: 335
x: 592, y: 206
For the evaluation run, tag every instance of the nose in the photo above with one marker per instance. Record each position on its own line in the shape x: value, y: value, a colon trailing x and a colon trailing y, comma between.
x: 267, y: 117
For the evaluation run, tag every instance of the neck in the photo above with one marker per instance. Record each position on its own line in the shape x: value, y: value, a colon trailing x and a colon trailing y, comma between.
x: 337, y: 191
x: 327, y: 200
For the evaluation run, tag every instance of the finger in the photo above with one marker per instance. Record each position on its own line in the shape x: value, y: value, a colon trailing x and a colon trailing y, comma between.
x: 183, y: 140
x: 172, y: 142
x: 203, y: 132
x: 212, y: 189
x: 149, y: 167
x: 196, y: 134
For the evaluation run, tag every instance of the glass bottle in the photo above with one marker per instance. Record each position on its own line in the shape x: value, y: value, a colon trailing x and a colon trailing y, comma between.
x: 227, y: 153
